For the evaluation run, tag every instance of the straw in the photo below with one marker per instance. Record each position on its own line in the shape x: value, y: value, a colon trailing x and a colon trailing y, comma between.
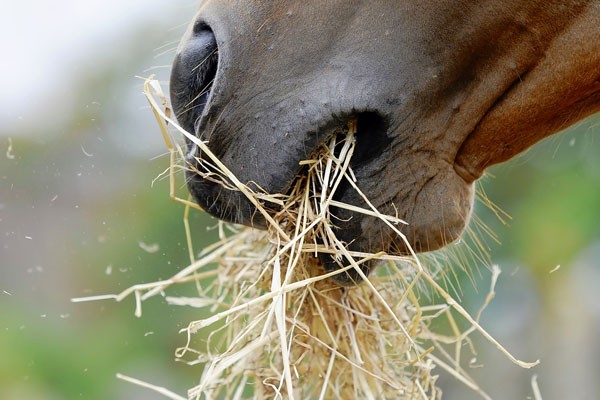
x: 279, y: 327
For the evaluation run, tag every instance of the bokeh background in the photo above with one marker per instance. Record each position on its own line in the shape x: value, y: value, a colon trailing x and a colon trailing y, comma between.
x: 82, y: 214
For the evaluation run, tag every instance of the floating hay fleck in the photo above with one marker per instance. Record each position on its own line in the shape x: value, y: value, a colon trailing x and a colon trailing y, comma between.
x: 280, y: 327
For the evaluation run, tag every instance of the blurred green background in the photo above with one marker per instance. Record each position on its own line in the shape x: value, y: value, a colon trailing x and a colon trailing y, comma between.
x: 79, y: 151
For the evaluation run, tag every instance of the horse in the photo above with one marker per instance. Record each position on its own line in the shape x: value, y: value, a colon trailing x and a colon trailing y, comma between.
x: 439, y: 90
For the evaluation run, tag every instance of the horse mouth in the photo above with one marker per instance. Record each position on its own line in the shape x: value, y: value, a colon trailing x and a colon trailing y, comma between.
x: 218, y: 195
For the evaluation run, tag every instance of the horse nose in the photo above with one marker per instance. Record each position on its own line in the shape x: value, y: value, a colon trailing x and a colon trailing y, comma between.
x: 193, y: 152
x: 192, y: 75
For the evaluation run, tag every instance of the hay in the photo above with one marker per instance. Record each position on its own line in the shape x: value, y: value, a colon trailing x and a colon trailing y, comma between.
x: 292, y: 331
x: 279, y: 327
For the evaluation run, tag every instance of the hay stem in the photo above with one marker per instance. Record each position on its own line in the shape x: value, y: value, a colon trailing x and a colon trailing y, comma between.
x: 158, y: 389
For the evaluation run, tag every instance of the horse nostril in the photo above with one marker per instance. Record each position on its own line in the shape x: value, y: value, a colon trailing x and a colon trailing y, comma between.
x: 371, y: 137
x: 200, y: 27
x: 194, y: 70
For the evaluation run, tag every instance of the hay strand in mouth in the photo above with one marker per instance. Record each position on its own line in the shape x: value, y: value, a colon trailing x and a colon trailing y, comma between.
x: 279, y: 327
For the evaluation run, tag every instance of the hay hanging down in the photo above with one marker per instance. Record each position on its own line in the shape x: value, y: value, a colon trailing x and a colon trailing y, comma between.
x: 294, y: 333
x: 280, y: 328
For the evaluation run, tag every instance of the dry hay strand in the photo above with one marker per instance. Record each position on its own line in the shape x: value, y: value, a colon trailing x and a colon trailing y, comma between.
x: 279, y: 327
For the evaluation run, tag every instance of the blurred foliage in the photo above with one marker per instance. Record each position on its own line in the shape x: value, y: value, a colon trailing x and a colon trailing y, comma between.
x: 552, y: 192
x: 78, y: 212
